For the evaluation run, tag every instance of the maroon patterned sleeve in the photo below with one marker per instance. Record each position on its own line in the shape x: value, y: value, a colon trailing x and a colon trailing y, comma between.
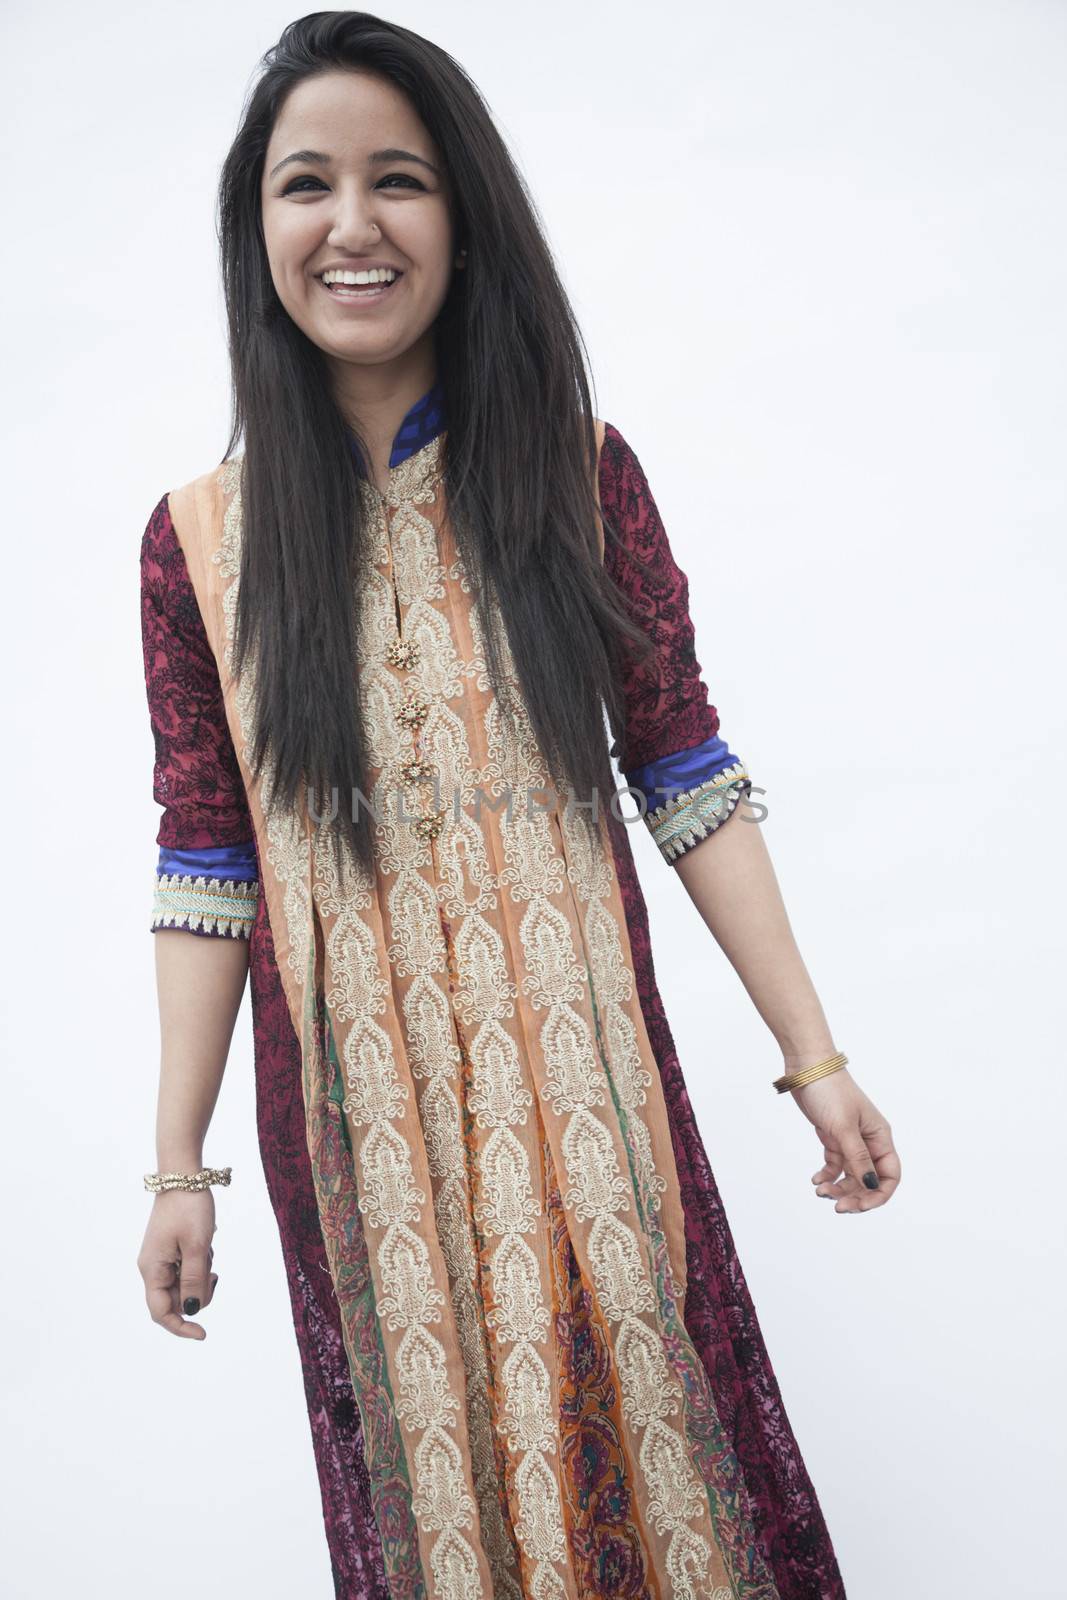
x: 196, y: 776
x: 206, y: 873
x: 667, y: 705
x: 672, y: 753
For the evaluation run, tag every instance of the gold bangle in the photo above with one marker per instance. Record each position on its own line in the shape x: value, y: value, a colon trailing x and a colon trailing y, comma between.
x: 797, y: 1080
x: 158, y: 1181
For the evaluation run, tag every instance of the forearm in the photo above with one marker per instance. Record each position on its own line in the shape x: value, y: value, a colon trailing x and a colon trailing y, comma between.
x: 731, y: 881
x: 200, y: 981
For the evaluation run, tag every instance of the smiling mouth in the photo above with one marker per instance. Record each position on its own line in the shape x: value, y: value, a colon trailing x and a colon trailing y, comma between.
x: 354, y: 291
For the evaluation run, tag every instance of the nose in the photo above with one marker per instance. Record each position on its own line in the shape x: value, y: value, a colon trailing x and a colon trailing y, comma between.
x: 354, y: 225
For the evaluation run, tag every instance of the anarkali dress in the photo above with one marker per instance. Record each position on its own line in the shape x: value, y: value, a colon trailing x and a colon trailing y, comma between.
x: 531, y: 1361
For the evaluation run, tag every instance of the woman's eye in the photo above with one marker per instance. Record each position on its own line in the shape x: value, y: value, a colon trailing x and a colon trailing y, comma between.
x: 293, y: 187
x: 306, y: 184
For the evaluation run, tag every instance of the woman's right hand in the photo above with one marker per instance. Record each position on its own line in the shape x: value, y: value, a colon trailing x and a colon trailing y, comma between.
x: 181, y: 1225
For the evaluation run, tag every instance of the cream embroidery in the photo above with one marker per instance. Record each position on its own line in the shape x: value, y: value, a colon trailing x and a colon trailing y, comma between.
x: 390, y: 1199
x: 597, y: 1189
x: 393, y: 1204
x: 446, y: 885
x: 453, y: 877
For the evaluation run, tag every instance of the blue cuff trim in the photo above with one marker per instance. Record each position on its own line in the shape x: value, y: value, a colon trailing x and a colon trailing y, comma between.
x: 690, y: 794
x: 662, y: 780
x: 214, y: 890
x: 237, y: 861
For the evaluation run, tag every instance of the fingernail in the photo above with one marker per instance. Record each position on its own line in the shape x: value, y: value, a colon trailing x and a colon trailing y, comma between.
x: 190, y: 1305
x: 871, y: 1179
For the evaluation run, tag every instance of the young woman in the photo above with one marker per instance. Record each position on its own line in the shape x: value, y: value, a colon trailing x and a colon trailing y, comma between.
x: 379, y: 645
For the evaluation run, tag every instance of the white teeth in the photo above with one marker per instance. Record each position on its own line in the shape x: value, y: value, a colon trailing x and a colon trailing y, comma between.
x: 375, y: 275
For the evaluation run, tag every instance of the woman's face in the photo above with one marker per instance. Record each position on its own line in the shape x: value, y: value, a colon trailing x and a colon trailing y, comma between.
x: 352, y: 181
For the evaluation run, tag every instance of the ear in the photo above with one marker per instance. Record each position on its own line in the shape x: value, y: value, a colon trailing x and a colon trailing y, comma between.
x: 461, y: 258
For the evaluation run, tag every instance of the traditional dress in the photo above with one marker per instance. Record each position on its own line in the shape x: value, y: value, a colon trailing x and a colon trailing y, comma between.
x: 531, y: 1361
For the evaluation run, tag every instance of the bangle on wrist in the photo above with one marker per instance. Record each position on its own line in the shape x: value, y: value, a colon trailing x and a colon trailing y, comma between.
x: 158, y: 1181
x: 820, y: 1069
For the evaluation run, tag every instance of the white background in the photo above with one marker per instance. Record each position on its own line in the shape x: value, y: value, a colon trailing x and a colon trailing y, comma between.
x: 818, y: 253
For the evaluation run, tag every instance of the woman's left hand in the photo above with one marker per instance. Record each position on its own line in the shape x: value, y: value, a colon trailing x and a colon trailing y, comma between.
x: 857, y: 1141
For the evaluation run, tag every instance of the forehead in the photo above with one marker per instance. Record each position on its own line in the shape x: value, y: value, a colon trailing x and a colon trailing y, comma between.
x: 344, y: 113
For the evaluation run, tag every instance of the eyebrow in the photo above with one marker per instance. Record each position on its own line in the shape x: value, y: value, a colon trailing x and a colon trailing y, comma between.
x: 318, y: 158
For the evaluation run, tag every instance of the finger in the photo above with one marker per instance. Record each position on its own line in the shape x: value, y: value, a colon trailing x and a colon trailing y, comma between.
x: 832, y: 1165
x: 884, y: 1155
x: 175, y: 1323
x: 887, y: 1166
x: 860, y: 1173
x: 194, y: 1294
x: 832, y: 1180
x: 851, y: 1183
x: 841, y: 1188
x: 161, y: 1297
x: 158, y: 1281
x: 213, y: 1276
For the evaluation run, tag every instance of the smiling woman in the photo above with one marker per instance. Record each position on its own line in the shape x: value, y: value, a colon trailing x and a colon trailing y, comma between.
x: 336, y: 204
x: 531, y: 1361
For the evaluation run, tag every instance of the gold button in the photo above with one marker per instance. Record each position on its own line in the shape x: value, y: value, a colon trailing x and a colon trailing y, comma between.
x: 402, y: 653
x: 413, y: 711
x: 418, y: 771
x: 430, y: 827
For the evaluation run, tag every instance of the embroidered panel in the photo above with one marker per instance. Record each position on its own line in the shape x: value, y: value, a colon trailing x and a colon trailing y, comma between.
x: 205, y: 905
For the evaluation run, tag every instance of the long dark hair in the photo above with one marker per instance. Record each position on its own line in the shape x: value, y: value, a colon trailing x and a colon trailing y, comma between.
x: 518, y: 453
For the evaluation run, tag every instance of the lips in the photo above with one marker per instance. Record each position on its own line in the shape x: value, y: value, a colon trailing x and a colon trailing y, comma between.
x: 378, y: 285
x: 358, y: 293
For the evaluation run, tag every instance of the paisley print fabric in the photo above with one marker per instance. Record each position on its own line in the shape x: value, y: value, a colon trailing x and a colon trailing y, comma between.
x: 489, y: 1210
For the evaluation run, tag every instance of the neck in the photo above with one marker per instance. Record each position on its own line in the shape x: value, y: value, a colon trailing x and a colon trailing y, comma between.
x: 375, y: 399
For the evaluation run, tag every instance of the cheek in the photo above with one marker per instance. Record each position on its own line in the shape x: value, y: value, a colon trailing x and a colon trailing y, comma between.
x: 290, y: 239
x: 436, y: 249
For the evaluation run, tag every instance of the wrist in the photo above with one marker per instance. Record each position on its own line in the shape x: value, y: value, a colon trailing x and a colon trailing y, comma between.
x: 179, y: 1159
x: 797, y: 1057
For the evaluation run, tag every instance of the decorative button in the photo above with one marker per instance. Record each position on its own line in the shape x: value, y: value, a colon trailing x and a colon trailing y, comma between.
x: 402, y: 653
x: 430, y: 827
x: 413, y: 711
x: 417, y: 770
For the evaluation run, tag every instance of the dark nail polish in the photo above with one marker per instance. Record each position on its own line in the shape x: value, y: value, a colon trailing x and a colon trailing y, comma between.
x: 871, y: 1179
x: 190, y: 1305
